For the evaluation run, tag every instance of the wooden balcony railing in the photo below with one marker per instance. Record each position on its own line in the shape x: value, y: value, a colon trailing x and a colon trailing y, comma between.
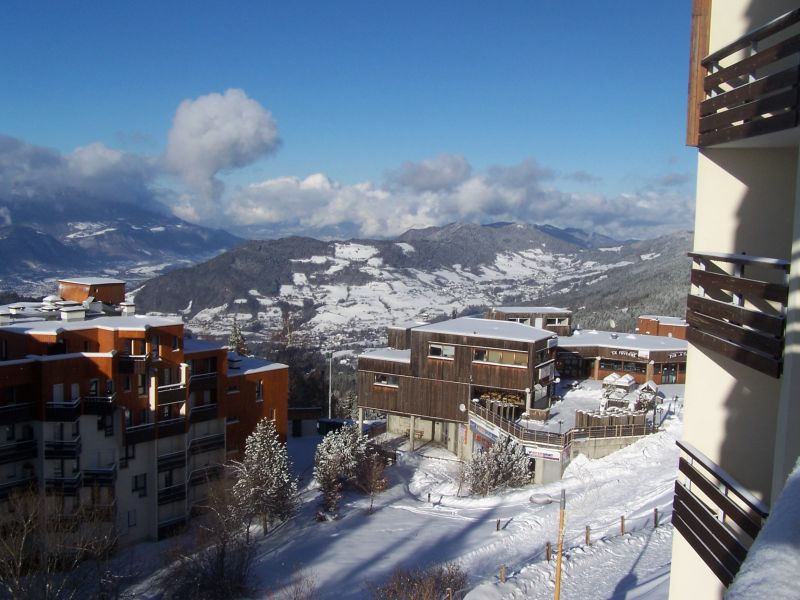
x: 714, y: 513
x: 204, y: 412
x: 99, y: 405
x: 17, y: 413
x: 18, y: 450
x: 137, y: 434
x: 747, y: 88
x: 741, y: 318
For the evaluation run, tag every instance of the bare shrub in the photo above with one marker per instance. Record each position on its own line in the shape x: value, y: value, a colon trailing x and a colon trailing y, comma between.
x: 421, y: 584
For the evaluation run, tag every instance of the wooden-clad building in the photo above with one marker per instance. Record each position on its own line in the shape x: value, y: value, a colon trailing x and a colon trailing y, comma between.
x: 427, y: 386
x: 660, y: 325
x: 557, y: 320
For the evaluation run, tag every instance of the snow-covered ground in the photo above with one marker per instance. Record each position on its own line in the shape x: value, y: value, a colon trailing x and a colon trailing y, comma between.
x: 343, y: 555
x: 425, y: 517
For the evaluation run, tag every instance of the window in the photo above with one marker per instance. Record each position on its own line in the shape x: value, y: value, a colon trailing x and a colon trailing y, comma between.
x: 547, y: 371
x: 10, y: 433
x: 58, y: 392
x: 75, y: 391
x: 632, y: 367
x: 441, y: 351
x: 521, y: 320
x: 557, y: 321
x: 176, y: 343
x: 501, y: 357
x: 141, y: 384
x: 154, y: 347
x: 611, y: 365
x: 139, y: 484
x: 93, y: 384
x: 128, y: 418
x: 126, y: 383
x: 129, y: 454
x: 259, y: 390
x: 387, y: 380
x: 165, y: 412
x: 168, y: 478
x: 131, y: 518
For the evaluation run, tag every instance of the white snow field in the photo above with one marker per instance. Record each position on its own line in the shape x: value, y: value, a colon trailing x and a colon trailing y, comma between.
x: 406, y: 530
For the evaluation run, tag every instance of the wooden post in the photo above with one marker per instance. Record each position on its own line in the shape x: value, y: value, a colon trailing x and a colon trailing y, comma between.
x: 560, y: 551
x: 655, y: 517
x: 449, y: 593
x: 588, y: 536
x: 498, y: 525
x: 548, y: 551
x: 622, y: 525
x: 502, y: 573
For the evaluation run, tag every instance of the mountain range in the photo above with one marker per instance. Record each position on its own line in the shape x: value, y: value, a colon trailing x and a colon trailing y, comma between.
x: 344, y: 293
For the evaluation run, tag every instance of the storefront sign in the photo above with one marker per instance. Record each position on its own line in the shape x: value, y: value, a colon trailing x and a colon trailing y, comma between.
x: 628, y: 353
x: 544, y: 454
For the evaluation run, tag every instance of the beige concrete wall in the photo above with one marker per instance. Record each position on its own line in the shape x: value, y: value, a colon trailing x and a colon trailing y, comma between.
x: 600, y: 447
x: 689, y: 575
x: 731, y: 19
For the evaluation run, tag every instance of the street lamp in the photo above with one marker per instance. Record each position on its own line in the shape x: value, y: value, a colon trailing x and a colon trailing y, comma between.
x: 329, y: 356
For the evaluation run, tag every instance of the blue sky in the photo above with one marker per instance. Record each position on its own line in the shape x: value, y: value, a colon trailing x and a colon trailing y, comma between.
x: 507, y: 105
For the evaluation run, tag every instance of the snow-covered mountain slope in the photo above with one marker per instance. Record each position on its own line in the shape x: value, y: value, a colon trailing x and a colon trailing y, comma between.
x: 340, y: 293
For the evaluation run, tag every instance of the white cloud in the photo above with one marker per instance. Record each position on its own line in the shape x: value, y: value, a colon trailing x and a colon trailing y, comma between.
x: 5, y: 216
x: 440, y: 173
x: 317, y: 204
x: 214, y: 133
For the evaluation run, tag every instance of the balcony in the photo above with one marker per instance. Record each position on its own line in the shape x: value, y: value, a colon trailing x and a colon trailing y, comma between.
x: 25, y: 483
x: 173, y: 460
x: 747, y: 88
x: 199, y: 382
x: 205, y: 474
x: 62, y: 411
x: 17, y: 413
x: 20, y: 450
x: 741, y: 318
x: 58, y: 449
x: 134, y: 364
x: 171, y: 427
x: 67, y: 486
x: 207, y: 443
x: 171, y: 394
x: 99, y: 405
x: 137, y: 434
x: 171, y: 526
x: 722, y: 520
x: 173, y: 493
x: 206, y: 412
x: 100, y: 476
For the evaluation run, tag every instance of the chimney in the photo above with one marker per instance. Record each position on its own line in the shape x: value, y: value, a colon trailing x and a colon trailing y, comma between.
x: 128, y: 309
x: 73, y: 313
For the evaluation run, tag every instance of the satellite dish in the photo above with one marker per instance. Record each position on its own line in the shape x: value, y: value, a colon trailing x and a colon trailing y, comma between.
x: 462, y: 408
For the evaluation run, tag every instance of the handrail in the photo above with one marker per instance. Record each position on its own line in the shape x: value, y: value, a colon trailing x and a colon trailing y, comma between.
x: 764, y: 31
x: 742, y: 259
x: 101, y: 398
x: 171, y: 386
x: 199, y: 376
x: 725, y: 478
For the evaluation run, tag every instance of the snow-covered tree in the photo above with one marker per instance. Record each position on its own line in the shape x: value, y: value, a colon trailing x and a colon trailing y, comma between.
x: 370, y: 476
x: 505, y: 464
x: 336, y: 461
x: 236, y: 341
x: 265, y: 486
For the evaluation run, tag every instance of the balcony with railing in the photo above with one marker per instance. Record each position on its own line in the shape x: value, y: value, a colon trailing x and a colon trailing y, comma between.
x: 134, y: 364
x: 66, y: 485
x: 207, y: 443
x: 137, y: 434
x: 171, y: 460
x: 204, y: 474
x: 173, y: 493
x: 100, y: 476
x: 204, y: 412
x: 60, y: 449
x: 170, y: 427
x: 28, y: 482
x: 747, y: 88
x: 174, y: 393
x: 17, y: 413
x: 18, y: 450
x: 199, y: 382
x: 62, y: 411
x: 714, y: 513
x: 740, y: 317
x: 99, y: 405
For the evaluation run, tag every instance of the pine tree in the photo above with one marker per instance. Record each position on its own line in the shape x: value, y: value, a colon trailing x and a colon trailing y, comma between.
x: 236, y: 341
x: 265, y: 486
x: 336, y: 462
x: 505, y: 464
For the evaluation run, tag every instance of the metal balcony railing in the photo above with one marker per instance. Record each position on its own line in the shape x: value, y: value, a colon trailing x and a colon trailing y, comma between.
x: 17, y: 413
x: 58, y: 449
x: 68, y: 486
x: 739, y: 317
x: 100, y: 476
x: 99, y: 405
x: 207, y: 443
x: 205, y: 412
x: 25, y: 482
x: 747, y: 88
x: 172, y: 460
x: 19, y: 450
x: 173, y: 493
x: 714, y: 513
x: 62, y: 411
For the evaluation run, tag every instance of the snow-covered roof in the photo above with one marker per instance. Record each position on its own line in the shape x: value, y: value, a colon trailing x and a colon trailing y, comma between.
x: 251, y: 364
x: 609, y: 379
x: 665, y: 320
x: 191, y: 345
x: 626, y: 341
x: 531, y: 309
x: 408, y: 324
x: 403, y: 356
x: 130, y: 323
x: 92, y: 280
x: 488, y: 328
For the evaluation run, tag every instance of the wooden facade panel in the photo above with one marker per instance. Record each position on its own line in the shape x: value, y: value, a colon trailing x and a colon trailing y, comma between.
x: 384, y: 366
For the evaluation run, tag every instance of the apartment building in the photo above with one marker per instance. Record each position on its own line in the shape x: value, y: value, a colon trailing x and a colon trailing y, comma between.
x: 100, y: 406
x: 434, y: 372
x: 742, y: 416
x: 662, y: 325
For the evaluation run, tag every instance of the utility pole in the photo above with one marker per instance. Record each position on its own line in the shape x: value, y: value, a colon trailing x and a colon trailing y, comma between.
x: 560, y: 551
x: 329, y: 356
